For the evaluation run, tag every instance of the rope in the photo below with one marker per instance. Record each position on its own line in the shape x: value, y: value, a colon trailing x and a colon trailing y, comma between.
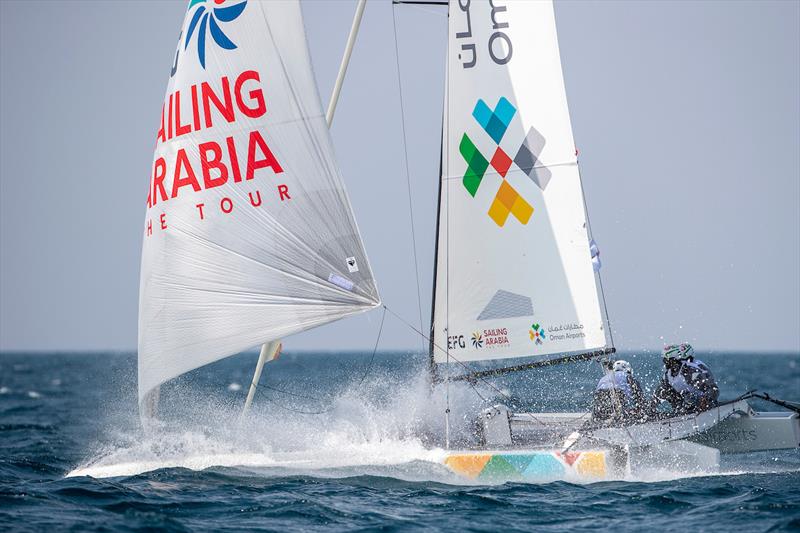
x: 374, y: 349
x: 367, y: 370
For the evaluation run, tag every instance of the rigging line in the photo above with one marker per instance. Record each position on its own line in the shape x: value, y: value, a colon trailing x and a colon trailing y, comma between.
x: 374, y: 348
x: 405, y: 160
x: 367, y: 370
x: 599, y: 275
x: 487, y: 383
x: 297, y: 411
x: 295, y: 394
x: 476, y: 391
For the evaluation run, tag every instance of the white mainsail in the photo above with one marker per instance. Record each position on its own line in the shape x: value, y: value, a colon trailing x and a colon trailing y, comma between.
x: 514, y: 273
x: 249, y: 233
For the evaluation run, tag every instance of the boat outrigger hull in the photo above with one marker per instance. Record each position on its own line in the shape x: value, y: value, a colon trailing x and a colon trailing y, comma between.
x: 545, y: 447
x: 753, y: 432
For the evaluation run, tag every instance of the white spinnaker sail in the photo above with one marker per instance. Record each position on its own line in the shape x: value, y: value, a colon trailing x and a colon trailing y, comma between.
x: 514, y: 274
x: 249, y: 234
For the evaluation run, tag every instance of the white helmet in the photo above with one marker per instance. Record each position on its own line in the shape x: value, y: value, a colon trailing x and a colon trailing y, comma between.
x: 623, y: 366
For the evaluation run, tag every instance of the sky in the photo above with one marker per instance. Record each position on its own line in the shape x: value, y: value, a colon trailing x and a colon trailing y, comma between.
x: 686, y: 115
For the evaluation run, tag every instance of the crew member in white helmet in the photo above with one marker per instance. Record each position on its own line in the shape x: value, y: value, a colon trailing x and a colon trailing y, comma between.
x: 688, y: 384
x: 618, y: 395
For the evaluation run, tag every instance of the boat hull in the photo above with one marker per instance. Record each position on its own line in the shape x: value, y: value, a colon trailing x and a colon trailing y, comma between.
x: 584, y: 466
x: 731, y: 427
x: 528, y: 446
x: 753, y: 432
x: 538, y: 466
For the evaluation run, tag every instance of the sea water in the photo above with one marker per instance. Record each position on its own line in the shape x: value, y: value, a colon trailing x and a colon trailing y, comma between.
x: 341, y: 441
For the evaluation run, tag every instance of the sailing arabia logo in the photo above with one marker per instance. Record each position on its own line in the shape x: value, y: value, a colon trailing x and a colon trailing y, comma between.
x: 537, y: 333
x: 205, y: 22
x: 507, y: 200
x: 477, y: 340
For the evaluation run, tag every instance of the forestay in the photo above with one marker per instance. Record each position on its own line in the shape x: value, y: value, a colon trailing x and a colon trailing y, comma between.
x: 249, y: 235
x: 514, y: 272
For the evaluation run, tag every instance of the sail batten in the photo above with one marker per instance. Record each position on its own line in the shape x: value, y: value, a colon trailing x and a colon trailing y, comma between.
x: 514, y: 274
x: 249, y: 235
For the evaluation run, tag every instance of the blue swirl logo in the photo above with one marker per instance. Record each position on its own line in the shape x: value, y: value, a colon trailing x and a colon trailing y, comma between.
x: 207, y: 20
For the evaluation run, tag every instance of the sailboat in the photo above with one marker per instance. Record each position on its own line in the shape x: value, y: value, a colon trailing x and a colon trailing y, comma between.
x: 517, y: 267
x: 249, y: 236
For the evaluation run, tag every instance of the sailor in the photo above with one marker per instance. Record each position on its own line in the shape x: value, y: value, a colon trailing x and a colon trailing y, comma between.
x: 688, y: 384
x: 618, y: 395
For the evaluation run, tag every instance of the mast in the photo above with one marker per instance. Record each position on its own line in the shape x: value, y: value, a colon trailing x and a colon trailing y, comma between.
x: 432, y: 362
x: 348, y: 50
x: 270, y: 350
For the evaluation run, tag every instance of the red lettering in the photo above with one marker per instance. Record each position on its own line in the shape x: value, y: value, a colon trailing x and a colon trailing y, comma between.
x: 159, y: 173
x: 160, y: 135
x: 252, y: 200
x: 169, y: 119
x: 226, y: 109
x: 163, y: 219
x: 237, y: 174
x: 249, y: 97
x: 149, y: 227
x: 254, y: 164
x: 190, y: 179
x: 256, y: 95
x: 283, y: 190
x: 215, y: 163
x: 223, y: 203
x: 200, y: 209
x: 179, y: 130
x: 195, y: 109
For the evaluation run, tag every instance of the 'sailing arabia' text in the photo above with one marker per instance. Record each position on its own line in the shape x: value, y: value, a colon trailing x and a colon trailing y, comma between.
x: 197, y: 167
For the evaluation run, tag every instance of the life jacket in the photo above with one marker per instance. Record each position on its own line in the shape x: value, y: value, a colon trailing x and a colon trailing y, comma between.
x: 693, y: 377
x: 616, y: 380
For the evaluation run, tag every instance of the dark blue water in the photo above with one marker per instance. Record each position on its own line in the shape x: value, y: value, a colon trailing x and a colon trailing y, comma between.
x: 367, y: 460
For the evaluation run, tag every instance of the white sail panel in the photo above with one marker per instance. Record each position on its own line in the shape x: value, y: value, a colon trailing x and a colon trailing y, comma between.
x: 514, y: 274
x: 249, y: 235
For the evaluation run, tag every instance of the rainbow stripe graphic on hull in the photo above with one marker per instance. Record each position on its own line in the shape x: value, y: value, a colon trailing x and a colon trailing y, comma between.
x: 539, y: 466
